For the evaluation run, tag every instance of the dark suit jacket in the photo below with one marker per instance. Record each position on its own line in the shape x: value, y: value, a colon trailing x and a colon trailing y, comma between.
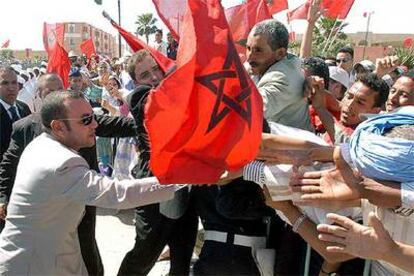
x: 25, y: 130
x: 6, y: 125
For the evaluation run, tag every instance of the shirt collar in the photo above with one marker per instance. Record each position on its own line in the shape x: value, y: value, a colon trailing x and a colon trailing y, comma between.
x: 6, y: 105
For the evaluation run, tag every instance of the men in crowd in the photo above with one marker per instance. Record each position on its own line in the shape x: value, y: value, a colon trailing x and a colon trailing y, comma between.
x: 172, y: 47
x: 159, y: 44
x: 75, y: 80
x: 11, y: 109
x: 49, y: 197
x: 367, y: 95
x: 277, y: 74
x: 401, y: 93
x: 338, y: 82
x: 29, y: 128
x: 172, y: 223
x: 345, y: 60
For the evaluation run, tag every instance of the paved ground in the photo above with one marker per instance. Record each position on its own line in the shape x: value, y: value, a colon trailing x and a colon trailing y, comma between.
x: 115, y: 234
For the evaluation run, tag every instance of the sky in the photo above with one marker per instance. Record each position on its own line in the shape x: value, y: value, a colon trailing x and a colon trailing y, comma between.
x: 21, y: 21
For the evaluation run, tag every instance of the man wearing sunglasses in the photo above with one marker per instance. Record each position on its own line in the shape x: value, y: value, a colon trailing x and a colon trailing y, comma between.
x: 30, y: 127
x: 49, y: 197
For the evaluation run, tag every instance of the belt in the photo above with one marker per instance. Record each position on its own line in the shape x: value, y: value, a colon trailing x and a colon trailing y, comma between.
x: 247, y: 241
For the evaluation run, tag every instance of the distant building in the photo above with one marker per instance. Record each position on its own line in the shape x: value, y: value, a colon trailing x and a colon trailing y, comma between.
x: 77, y: 32
x: 378, y: 39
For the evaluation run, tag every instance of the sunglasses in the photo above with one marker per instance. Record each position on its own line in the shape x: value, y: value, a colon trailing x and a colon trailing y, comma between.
x: 85, y: 120
x: 343, y: 60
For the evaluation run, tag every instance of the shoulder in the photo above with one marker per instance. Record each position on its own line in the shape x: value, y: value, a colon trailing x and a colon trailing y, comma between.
x: 22, y: 105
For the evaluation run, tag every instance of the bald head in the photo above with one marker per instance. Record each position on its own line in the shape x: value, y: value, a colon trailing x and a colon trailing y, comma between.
x: 48, y: 83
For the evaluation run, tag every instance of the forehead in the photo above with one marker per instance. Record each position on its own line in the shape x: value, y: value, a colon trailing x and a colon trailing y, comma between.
x: 7, y: 75
x: 77, y: 107
x: 52, y: 84
x: 404, y: 83
x: 147, y: 63
x: 343, y: 55
x: 358, y: 89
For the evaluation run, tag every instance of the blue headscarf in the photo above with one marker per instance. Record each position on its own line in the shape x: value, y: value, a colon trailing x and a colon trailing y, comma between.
x: 380, y: 157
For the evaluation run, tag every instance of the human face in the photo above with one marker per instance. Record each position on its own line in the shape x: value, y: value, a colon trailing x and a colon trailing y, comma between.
x: 76, y: 83
x: 148, y: 72
x: 259, y: 54
x: 72, y: 130
x: 345, y: 61
x: 359, y: 99
x: 102, y: 69
x: 158, y: 37
x: 8, y: 86
x: 49, y: 86
x: 401, y: 94
x: 112, y: 87
x: 336, y: 89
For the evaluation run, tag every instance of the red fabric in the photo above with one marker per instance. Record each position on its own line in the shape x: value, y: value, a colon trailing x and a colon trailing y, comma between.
x: 300, y: 12
x: 136, y: 44
x: 206, y: 117
x: 6, y: 44
x: 171, y: 13
x: 276, y: 6
x: 337, y: 8
x: 52, y: 34
x: 88, y: 48
x: 241, y: 20
x: 59, y: 63
x: 408, y: 42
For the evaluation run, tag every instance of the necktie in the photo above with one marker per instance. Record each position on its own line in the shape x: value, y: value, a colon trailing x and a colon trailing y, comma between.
x: 13, y: 112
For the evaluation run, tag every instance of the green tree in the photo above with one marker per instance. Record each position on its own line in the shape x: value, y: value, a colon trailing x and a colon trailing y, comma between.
x: 6, y: 54
x: 146, y: 25
x: 324, y: 28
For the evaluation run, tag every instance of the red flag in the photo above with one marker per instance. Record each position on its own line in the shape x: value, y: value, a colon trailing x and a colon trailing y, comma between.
x: 136, y: 44
x: 292, y: 36
x: 59, y: 63
x: 207, y: 116
x: 276, y: 6
x: 88, y: 48
x: 171, y: 13
x: 337, y: 9
x: 6, y: 44
x: 241, y: 20
x: 365, y: 14
x: 408, y: 42
x: 300, y: 12
x: 52, y: 34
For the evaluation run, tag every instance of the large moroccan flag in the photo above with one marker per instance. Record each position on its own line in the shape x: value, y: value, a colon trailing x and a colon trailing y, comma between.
x: 88, y: 48
x: 206, y: 117
x: 53, y: 34
x: 59, y: 63
x: 137, y: 44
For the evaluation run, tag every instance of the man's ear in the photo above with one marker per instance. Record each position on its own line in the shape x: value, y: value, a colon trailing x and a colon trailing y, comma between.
x: 281, y: 53
x: 57, y: 127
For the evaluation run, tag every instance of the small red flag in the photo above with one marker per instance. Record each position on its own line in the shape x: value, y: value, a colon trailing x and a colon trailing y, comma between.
x: 6, y: 44
x: 52, y: 34
x: 136, y: 44
x: 276, y: 6
x: 207, y: 116
x: 300, y: 12
x: 337, y: 9
x: 88, y: 48
x: 408, y: 42
x: 59, y: 63
x: 365, y: 14
x: 171, y: 13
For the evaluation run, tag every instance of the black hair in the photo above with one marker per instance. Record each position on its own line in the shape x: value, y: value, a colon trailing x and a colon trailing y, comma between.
x: 317, y: 67
x: 347, y: 49
x: 276, y: 33
x: 378, y: 85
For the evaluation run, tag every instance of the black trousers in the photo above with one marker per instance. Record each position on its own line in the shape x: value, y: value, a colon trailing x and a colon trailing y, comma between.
x: 153, y: 232
x: 87, y: 241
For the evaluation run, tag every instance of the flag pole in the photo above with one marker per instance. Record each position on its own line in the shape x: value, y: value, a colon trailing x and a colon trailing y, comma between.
x: 119, y: 35
x: 336, y: 35
x: 330, y: 35
x: 366, y: 35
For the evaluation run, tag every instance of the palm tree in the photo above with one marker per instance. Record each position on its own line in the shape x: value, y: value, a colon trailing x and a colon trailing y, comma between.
x: 146, y: 25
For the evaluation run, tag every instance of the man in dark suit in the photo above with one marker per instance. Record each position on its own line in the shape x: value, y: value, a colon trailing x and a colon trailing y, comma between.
x: 25, y: 130
x: 11, y: 109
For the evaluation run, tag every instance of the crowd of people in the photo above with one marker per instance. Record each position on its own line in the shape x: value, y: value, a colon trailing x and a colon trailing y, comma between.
x: 331, y: 188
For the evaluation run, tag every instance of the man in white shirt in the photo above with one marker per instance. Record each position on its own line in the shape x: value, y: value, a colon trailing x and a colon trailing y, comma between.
x: 159, y: 44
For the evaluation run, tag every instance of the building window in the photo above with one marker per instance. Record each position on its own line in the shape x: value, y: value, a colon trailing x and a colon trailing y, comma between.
x: 106, y: 46
x: 71, y: 42
x: 96, y: 33
x: 71, y: 28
